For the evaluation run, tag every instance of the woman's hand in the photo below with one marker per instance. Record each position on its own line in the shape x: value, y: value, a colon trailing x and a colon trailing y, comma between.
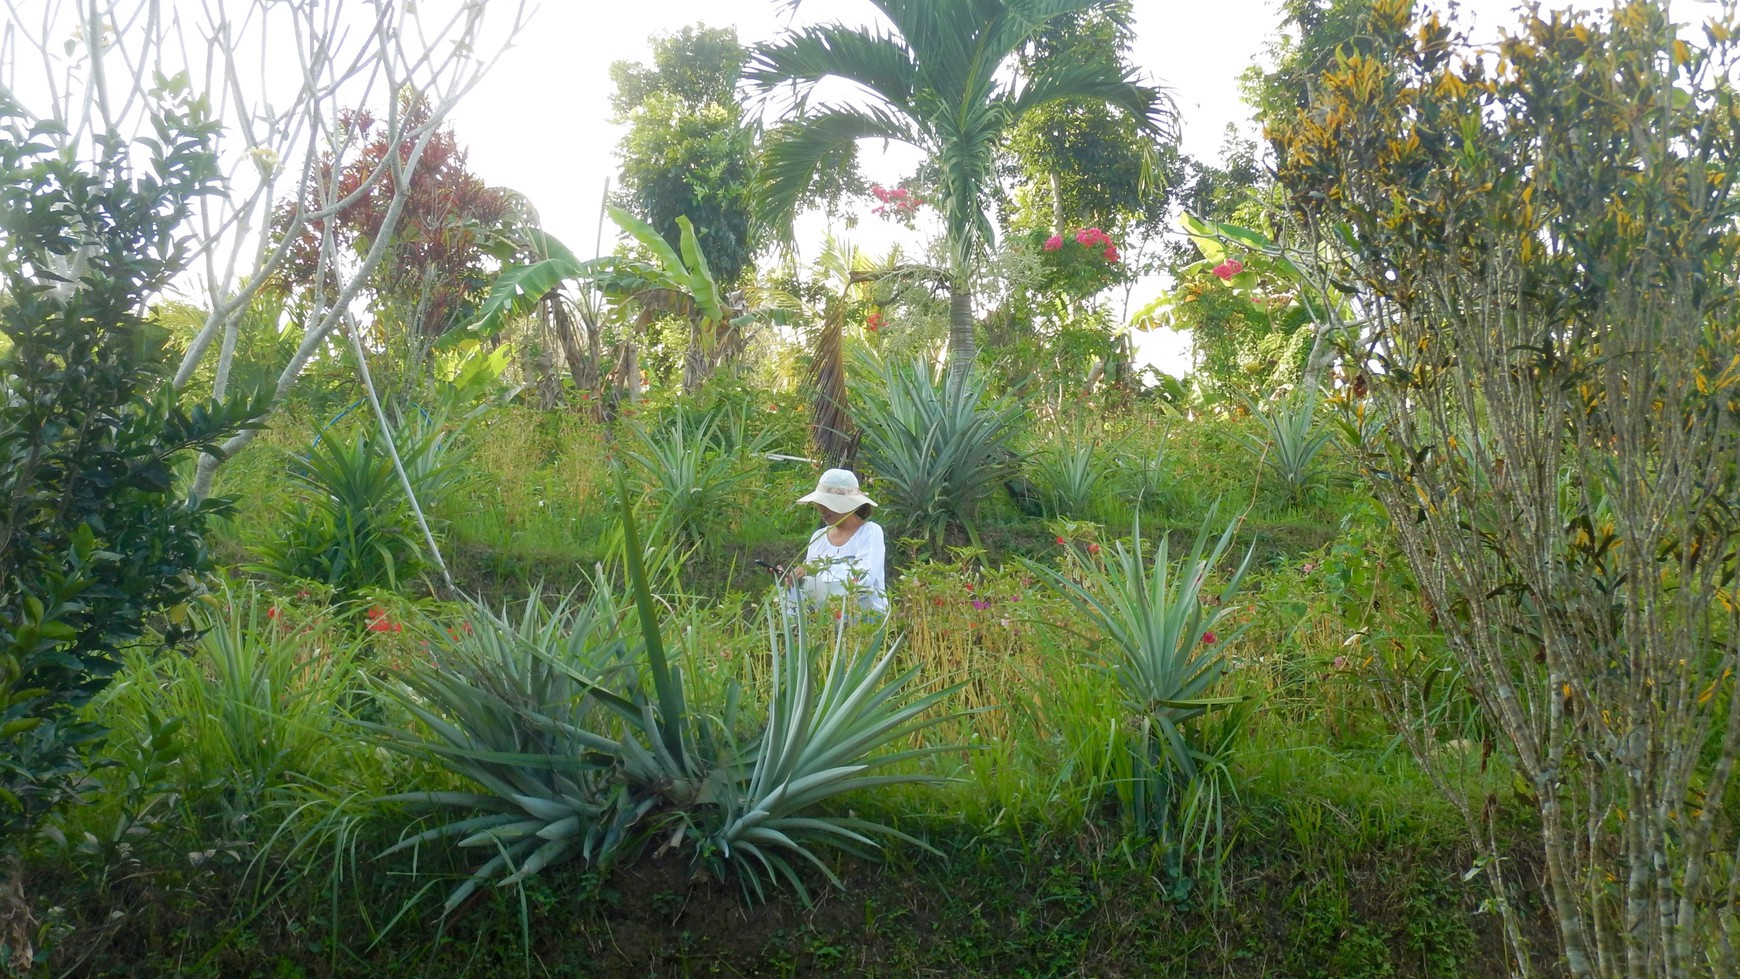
x: 794, y: 575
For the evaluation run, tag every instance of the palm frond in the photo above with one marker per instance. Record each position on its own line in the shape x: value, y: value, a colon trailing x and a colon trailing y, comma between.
x: 793, y: 152
x: 1021, y: 19
x: 831, y: 425
x: 1096, y: 83
x: 878, y: 63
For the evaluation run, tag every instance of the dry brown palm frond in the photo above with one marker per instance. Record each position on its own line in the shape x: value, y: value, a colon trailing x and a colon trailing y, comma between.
x: 831, y: 427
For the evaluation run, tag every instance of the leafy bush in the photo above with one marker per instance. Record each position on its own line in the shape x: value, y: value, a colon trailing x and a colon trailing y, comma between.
x: 1555, y: 437
x: 937, y: 445
x: 94, y: 541
x: 572, y: 759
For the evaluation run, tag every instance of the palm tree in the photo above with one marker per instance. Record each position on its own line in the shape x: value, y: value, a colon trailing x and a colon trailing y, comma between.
x: 945, y: 81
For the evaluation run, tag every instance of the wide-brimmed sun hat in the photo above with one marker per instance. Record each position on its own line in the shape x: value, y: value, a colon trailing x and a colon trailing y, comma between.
x: 838, y: 491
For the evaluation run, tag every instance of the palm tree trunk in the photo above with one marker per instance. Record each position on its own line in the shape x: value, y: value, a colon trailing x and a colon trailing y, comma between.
x: 962, y: 348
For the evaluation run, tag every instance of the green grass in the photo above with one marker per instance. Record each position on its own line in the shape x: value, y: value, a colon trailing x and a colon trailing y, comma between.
x: 991, y: 902
x: 1341, y: 859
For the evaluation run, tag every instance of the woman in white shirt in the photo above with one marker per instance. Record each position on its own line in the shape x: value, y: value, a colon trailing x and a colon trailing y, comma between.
x: 847, y: 555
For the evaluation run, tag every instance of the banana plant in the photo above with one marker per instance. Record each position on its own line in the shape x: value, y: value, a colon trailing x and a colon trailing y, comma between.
x: 674, y: 281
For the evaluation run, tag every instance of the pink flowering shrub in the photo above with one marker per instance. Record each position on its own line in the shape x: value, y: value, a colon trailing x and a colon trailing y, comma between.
x: 895, y: 201
x: 1081, y: 263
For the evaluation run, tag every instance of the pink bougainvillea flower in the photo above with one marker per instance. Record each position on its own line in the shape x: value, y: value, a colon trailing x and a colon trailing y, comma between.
x: 1111, y: 253
x: 1208, y: 638
x: 1053, y: 243
x: 1229, y: 268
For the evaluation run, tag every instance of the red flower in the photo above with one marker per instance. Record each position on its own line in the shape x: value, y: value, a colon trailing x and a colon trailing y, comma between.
x: 1060, y: 540
x: 1111, y: 253
x: 1053, y: 243
x: 379, y: 622
x: 1093, y: 548
x: 272, y: 613
x: 1229, y: 268
x: 1208, y: 638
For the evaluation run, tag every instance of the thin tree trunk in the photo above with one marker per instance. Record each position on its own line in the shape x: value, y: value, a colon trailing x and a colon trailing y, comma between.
x: 1057, y: 203
x: 1322, y: 352
x: 583, y: 372
x: 962, y: 348
x: 696, y: 360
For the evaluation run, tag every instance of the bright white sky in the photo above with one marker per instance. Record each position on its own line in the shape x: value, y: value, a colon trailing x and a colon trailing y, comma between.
x: 540, y: 122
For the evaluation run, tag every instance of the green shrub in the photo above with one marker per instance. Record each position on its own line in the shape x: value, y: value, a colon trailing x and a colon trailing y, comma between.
x: 1291, y: 447
x: 1072, y: 472
x: 264, y: 700
x: 1167, y: 659
x: 94, y: 540
x: 691, y: 464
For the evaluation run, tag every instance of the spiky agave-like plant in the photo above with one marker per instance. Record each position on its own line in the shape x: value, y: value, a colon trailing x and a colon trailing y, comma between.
x: 1164, y: 652
x: 573, y: 760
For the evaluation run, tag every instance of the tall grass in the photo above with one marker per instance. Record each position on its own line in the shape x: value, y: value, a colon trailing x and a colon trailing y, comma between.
x: 265, y: 702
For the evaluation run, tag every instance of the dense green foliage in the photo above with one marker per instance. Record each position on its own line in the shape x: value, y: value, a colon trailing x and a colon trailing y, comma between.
x: 94, y: 543
x: 1556, y: 423
x: 1397, y: 638
x: 689, y: 151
